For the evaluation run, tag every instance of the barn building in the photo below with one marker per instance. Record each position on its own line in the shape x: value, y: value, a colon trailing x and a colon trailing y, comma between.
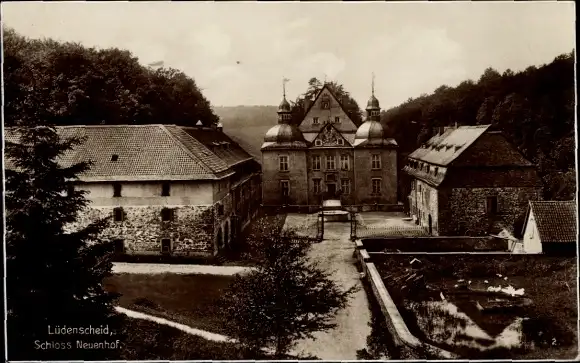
x: 469, y: 180
x: 168, y: 190
x: 328, y: 156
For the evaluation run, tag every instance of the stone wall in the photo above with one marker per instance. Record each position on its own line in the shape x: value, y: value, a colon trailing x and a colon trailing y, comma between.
x: 364, y: 175
x: 424, y: 203
x: 467, y: 211
x: 297, y: 175
x: 435, y: 244
x: 191, y: 232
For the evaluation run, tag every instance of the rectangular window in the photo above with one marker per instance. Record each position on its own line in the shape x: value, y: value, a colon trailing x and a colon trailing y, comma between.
x: 118, y: 214
x: 337, y: 119
x: 116, y: 189
x: 340, y: 142
x: 283, y: 163
x: 285, y: 185
x: 317, y: 185
x: 345, y: 186
x: 167, y: 214
x: 316, y: 162
x: 330, y: 162
x: 315, y: 120
x: 376, y: 162
x: 344, y: 162
x: 325, y: 105
x: 165, y: 189
x: 492, y: 205
x: 166, y: 245
x: 376, y: 185
x: 317, y: 142
x: 119, y: 246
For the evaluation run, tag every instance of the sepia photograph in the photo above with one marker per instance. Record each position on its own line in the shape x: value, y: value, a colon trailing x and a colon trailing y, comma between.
x: 280, y: 181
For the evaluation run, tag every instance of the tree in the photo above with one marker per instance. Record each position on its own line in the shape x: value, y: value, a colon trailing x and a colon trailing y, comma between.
x: 97, y: 86
x: 285, y: 299
x: 54, y: 276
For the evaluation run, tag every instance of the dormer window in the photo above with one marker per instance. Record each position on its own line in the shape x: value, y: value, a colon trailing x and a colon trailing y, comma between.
x: 340, y: 142
x: 337, y: 119
x: 318, y: 142
x: 315, y: 121
x: 114, y: 157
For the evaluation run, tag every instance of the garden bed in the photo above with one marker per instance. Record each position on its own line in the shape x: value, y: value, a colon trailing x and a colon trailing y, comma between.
x: 456, y: 302
x: 192, y: 300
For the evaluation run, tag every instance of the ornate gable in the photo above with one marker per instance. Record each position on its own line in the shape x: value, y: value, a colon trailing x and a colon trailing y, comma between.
x: 325, y: 109
x: 330, y: 136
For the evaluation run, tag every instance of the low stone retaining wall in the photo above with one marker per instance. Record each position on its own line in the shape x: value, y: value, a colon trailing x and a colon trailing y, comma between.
x: 436, y: 244
x: 393, y: 319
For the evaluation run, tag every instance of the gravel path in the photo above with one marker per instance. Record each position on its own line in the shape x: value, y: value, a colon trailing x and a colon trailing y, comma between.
x: 335, y: 253
x: 158, y: 268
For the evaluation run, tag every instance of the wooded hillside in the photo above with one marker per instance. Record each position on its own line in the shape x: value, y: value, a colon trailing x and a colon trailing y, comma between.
x: 69, y: 84
x: 534, y: 108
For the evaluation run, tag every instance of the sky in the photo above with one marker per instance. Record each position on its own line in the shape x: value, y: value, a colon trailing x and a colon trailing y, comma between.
x: 239, y: 52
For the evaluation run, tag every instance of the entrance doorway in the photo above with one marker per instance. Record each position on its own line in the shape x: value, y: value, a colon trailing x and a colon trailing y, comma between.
x: 331, y: 189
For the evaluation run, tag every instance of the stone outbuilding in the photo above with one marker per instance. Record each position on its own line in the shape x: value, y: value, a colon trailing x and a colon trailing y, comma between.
x: 168, y: 190
x: 469, y: 180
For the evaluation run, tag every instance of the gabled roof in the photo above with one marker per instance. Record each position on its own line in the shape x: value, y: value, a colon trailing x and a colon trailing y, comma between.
x: 143, y: 152
x: 325, y: 86
x: 555, y: 220
x: 443, y: 149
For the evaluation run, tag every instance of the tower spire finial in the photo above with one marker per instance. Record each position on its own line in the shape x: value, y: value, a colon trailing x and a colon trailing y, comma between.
x: 373, y: 84
x: 284, y: 80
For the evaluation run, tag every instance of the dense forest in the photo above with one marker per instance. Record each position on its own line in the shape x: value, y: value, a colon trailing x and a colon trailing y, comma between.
x: 68, y: 84
x: 534, y: 108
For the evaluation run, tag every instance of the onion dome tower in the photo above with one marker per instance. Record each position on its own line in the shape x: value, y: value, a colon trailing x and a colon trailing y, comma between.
x: 284, y: 134
x: 371, y: 131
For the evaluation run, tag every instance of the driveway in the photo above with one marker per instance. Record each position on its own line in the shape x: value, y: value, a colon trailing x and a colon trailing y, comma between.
x: 335, y: 254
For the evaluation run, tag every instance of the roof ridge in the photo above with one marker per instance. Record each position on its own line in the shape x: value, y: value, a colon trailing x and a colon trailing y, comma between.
x: 186, y: 149
x: 112, y: 126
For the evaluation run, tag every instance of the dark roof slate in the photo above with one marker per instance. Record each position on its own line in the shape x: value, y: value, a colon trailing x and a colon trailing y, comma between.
x: 556, y: 220
x: 145, y: 152
x: 445, y: 148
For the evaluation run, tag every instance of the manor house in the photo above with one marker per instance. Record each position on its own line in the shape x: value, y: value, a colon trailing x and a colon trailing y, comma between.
x: 328, y: 156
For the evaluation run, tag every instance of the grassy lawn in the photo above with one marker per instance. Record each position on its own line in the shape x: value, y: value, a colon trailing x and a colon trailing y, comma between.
x: 187, y: 299
x: 146, y: 340
x: 549, y: 282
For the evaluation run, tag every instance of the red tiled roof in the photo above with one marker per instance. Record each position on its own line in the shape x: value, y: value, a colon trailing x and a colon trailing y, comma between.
x: 144, y: 152
x: 556, y: 220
